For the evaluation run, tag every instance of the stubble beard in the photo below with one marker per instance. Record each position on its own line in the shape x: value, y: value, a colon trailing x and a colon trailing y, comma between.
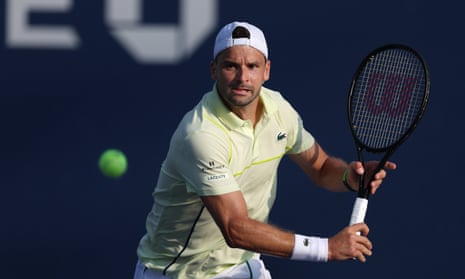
x: 241, y: 101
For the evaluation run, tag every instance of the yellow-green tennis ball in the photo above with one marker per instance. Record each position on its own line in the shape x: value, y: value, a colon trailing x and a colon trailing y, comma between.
x: 113, y: 163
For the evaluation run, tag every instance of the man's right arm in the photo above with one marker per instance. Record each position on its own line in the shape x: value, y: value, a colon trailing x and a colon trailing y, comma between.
x: 231, y: 215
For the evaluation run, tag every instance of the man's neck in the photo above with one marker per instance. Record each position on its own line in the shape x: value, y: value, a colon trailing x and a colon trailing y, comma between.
x: 253, y: 112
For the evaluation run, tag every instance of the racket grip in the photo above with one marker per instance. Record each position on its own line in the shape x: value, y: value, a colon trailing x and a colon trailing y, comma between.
x: 359, y: 211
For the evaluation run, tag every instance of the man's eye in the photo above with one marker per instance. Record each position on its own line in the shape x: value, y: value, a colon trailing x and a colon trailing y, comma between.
x: 230, y: 66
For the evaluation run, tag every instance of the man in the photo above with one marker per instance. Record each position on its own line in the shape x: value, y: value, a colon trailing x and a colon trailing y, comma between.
x: 218, y: 182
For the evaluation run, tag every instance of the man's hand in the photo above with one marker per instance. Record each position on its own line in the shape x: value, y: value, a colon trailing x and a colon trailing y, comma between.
x: 356, y: 169
x: 349, y: 244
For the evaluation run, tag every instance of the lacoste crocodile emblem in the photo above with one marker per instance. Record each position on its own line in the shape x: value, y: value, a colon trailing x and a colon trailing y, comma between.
x: 281, y: 136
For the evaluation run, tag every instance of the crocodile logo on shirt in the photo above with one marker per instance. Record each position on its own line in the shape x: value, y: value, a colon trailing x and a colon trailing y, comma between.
x: 281, y: 136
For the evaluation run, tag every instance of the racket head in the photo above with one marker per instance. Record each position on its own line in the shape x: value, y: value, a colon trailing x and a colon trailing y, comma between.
x: 387, y: 97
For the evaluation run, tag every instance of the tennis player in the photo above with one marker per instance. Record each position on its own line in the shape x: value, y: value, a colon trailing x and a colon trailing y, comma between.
x: 218, y: 182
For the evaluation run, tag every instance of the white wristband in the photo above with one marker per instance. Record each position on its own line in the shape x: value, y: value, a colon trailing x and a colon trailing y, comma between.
x: 310, y: 248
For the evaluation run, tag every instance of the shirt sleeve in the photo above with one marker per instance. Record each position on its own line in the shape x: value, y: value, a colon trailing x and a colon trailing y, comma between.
x: 302, y: 139
x: 203, y: 163
x: 299, y: 138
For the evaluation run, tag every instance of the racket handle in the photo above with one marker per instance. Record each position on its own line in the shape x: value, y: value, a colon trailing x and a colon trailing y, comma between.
x: 359, y: 211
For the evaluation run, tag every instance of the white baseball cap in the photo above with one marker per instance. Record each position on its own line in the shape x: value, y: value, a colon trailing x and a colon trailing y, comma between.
x: 226, y: 38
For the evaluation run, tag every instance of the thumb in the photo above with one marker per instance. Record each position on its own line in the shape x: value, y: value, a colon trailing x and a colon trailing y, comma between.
x: 358, y: 167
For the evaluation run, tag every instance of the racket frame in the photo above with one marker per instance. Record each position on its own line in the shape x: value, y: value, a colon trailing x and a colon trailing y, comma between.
x: 361, y: 203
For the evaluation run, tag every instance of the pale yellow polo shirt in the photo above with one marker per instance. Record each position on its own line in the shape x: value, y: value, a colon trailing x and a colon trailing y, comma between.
x: 214, y: 152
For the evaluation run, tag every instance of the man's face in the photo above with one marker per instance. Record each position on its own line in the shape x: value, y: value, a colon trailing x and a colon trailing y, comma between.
x: 239, y: 72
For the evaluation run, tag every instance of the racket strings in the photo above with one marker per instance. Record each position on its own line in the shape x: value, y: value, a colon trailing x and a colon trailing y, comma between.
x: 387, y: 97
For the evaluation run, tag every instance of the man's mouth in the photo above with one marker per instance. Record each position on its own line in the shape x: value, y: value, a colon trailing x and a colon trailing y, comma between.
x: 241, y: 90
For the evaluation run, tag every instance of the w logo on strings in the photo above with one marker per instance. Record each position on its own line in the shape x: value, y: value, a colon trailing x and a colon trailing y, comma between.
x: 389, y: 93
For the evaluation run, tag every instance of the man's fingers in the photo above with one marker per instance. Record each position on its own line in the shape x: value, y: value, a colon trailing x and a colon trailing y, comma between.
x: 390, y: 165
x: 362, y: 249
x: 360, y: 227
x: 363, y: 246
x: 359, y: 169
x: 362, y: 252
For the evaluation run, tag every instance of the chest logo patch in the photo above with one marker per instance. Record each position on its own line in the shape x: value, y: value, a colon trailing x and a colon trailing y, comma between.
x: 281, y: 136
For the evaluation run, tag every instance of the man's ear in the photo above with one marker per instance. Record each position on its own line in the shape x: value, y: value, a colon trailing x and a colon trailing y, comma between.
x: 267, y: 70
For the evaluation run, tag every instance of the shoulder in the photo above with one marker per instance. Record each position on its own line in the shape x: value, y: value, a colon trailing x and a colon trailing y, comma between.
x: 200, y: 128
x: 272, y: 94
x: 276, y: 104
x: 201, y: 119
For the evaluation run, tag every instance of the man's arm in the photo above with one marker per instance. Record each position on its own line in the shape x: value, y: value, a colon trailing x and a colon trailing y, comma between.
x: 325, y: 171
x: 231, y: 215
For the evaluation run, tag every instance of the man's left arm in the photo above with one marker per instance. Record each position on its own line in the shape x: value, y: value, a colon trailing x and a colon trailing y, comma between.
x: 327, y: 171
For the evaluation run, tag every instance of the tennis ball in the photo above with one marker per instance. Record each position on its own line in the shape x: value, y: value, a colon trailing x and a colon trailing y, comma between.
x: 113, y: 163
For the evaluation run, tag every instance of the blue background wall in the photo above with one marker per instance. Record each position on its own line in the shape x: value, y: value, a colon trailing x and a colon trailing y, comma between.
x: 60, y: 108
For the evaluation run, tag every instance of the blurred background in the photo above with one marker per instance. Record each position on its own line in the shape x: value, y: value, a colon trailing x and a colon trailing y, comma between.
x: 78, y: 77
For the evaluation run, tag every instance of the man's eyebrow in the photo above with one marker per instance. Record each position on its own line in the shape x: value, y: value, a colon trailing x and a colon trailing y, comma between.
x: 226, y: 61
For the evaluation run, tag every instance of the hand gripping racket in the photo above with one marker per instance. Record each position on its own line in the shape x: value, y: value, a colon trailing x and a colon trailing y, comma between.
x: 387, y: 98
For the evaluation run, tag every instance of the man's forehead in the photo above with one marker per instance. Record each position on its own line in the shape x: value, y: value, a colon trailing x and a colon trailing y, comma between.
x: 241, y: 52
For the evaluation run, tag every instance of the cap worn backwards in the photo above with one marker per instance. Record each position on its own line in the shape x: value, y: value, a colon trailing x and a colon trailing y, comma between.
x: 240, y: 33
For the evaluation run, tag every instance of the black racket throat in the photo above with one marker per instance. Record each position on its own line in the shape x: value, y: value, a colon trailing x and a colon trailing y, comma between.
x: 364, y: 187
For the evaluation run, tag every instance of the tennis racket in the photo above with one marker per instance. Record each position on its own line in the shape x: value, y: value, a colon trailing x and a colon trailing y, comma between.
x: 387, y: 98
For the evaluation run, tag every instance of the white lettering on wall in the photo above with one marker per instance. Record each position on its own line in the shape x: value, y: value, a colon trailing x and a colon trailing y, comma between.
x: 146, y: 43
x: 161, y: 43
x: 20, y: 33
